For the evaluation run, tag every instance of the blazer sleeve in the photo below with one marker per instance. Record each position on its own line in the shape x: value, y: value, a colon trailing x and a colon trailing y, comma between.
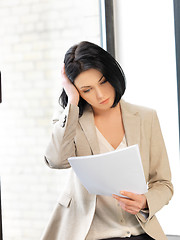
x: 160, y: 188
x: 61, y: 145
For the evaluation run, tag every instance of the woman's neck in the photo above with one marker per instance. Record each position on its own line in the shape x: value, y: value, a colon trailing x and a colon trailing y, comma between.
x: 110, y: 124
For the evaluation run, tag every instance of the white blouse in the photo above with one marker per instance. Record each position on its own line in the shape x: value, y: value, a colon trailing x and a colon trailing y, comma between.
x: 109, y: 219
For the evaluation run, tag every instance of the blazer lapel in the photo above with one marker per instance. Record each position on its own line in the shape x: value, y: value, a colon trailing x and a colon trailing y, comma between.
x: 131, y: 122
x: 87, y: 123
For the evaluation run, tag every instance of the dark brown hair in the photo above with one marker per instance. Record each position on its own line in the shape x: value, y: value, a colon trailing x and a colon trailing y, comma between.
x: 86, y: 55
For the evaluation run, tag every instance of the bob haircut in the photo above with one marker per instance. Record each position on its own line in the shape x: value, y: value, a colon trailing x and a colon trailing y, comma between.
x: 86, y: 55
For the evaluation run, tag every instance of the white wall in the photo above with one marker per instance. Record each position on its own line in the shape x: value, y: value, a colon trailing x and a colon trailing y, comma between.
x: 145, y: 48
x: 34, y: 36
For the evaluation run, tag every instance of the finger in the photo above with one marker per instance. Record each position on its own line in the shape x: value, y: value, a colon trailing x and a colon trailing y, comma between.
x: 122, y: 199
x: 131, y: 205
x: 130, y: 195
x: 128, y: 203
x: 131, y: 211
x: 63, y: 68
x: 128, y: 209
x: 139, y: 199
x: 117, y: 197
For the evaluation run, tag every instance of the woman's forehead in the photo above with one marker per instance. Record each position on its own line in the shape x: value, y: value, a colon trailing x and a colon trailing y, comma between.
x: 88, y: 77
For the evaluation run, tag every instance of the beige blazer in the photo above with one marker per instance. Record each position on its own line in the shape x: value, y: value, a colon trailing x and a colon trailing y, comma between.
x: 74, y: 136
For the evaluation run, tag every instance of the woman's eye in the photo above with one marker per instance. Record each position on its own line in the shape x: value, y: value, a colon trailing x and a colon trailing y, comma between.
x: 85, y: 91
x: 104, y: 81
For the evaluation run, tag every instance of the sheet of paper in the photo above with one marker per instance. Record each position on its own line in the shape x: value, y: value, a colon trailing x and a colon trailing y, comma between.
x: 112, y: 172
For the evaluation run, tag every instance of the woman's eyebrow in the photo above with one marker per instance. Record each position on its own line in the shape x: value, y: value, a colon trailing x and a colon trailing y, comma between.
x: 90, y: 86
x: 101, y: 78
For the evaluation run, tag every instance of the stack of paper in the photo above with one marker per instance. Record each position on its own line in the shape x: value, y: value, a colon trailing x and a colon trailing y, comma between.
x: 112, y: 172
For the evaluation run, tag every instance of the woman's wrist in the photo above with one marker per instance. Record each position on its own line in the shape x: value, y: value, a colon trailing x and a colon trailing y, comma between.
x: 73, y: 101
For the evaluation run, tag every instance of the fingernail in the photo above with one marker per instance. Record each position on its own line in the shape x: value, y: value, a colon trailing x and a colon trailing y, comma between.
x: 122, y: 192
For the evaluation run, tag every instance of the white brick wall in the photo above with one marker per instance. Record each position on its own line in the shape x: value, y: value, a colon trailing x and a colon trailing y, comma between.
x: 34, y: 35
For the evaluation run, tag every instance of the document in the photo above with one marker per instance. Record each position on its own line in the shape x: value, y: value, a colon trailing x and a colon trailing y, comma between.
x: 111, y: 172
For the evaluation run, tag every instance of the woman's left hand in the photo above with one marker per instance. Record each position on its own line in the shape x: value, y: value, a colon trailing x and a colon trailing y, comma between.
x: 133, y: 204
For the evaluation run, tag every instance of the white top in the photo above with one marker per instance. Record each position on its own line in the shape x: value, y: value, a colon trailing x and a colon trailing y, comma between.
x: 109, y: 219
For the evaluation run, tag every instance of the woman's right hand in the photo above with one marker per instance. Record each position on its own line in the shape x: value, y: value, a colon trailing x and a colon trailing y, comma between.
x: 70, y: 89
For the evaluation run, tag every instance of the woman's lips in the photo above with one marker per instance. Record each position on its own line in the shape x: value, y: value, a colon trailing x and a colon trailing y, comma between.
x: 105, y: 101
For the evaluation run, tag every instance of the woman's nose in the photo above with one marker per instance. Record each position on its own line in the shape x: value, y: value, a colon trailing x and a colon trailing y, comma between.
x: 99, y: 94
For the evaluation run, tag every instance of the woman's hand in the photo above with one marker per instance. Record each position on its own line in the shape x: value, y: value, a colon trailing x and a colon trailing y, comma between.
x: 133, y: 204
x: 70, y: 89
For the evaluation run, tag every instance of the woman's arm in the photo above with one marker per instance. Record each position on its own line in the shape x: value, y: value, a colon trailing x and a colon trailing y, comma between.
x: 160, y: 189
x: 61, y: 145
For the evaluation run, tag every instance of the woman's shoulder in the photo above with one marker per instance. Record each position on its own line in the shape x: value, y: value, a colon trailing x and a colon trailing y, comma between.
x: 142, y: 111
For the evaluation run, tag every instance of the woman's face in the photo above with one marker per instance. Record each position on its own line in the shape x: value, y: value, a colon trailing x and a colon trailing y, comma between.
x: 95, y: 89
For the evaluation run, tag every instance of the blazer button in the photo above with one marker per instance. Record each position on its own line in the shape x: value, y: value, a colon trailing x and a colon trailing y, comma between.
x: 64, y: 122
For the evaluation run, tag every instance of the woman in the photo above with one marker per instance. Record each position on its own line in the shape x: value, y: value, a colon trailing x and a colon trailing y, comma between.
x: 97, y: 120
